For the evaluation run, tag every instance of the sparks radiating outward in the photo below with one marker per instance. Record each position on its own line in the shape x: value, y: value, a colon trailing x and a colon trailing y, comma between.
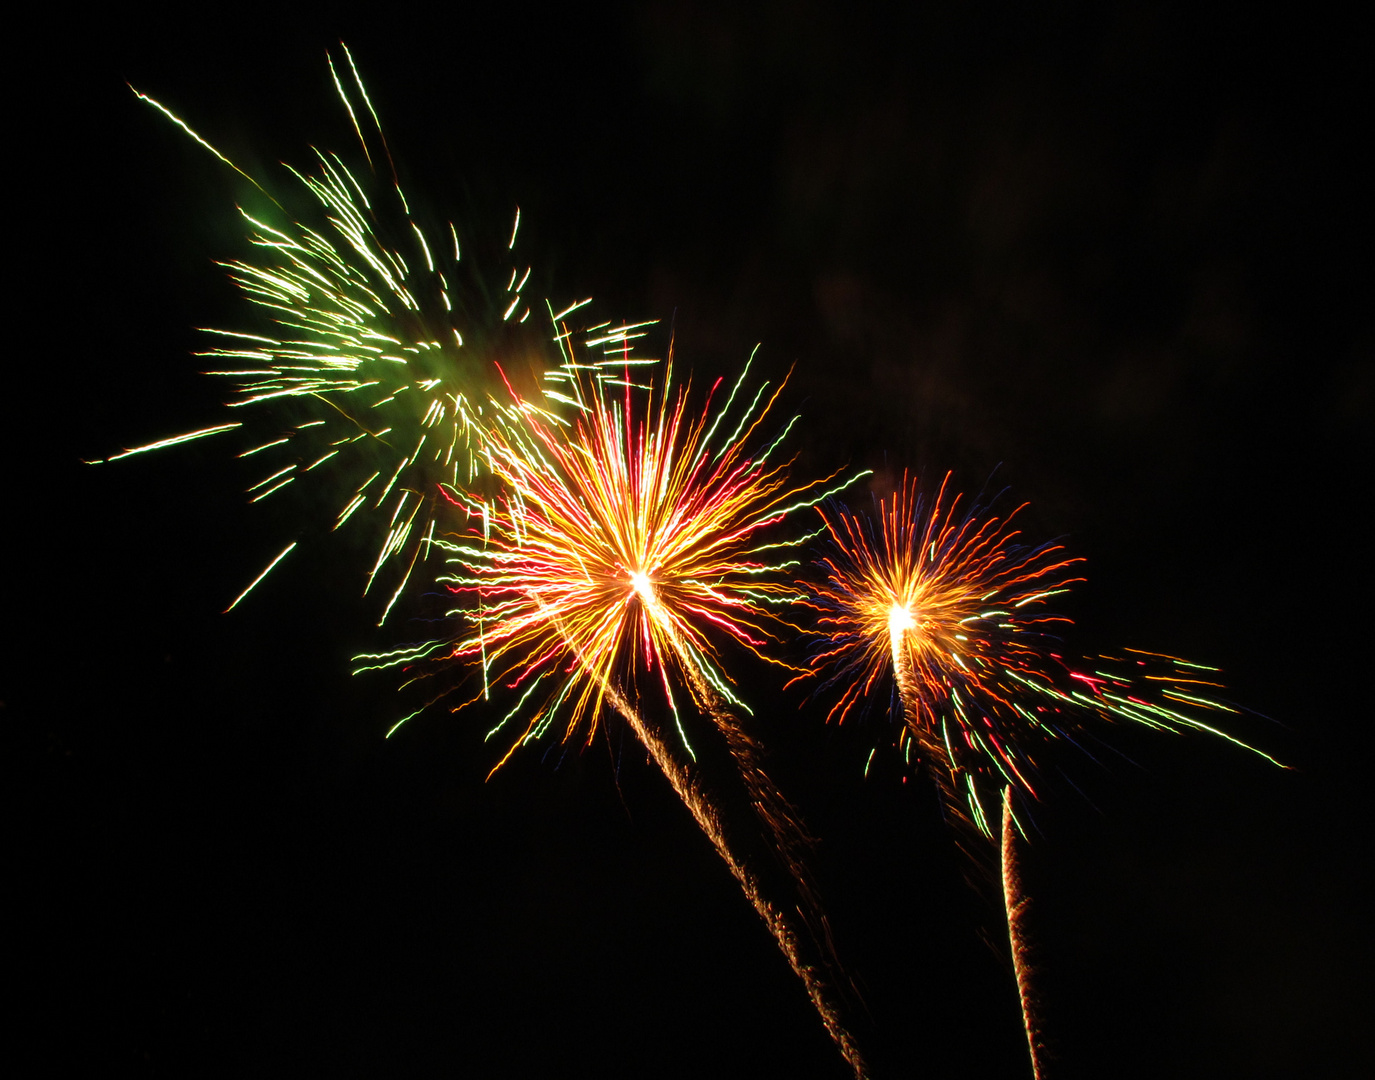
x: 626, y: 546
x: 954, y: 608
x: 378, y: 346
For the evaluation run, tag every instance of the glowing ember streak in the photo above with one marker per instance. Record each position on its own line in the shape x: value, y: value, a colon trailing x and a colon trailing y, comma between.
x: 708, y: 819
x: 625, y: 546
x: 162, y: 444
x: 358, y: 362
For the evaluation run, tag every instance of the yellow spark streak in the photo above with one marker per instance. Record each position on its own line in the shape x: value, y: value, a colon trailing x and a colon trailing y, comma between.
x: 254, y: 583
x: 338, y: 86
x: 175, y: 440
x: 186, y: 128
x: 570, y: 309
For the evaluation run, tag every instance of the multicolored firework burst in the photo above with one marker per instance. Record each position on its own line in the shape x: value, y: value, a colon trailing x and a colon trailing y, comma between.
x: 954, y: 608
x: 378, y: 348
x: 950, y: 604
x: 626, y: 544
x: 626, y: 541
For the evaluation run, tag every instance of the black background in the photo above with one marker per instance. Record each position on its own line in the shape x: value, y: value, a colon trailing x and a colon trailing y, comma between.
x: 1118, y: 254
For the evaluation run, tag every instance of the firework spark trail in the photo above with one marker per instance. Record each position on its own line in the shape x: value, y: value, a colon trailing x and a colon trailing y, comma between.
x: 771, y: 807
x: 1016, y: 903
x: 933, y: 749
x: 622, y: 544
x: 708, y: 819
x: 790, y: 842
x: 769, y: 804
x: 376, y: 343
x: 789, y: 839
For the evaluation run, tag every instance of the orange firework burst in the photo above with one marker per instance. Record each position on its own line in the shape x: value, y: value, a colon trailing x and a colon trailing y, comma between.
x: 626, y: 544
x: 954, y: 606
x: 622, y: 547
x: 949, y: 602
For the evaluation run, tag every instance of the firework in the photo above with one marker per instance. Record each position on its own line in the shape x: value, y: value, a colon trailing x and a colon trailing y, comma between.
x: 374, y: 348
x: 627, y: 543
x: 954, y: 606
x: 947, y: 610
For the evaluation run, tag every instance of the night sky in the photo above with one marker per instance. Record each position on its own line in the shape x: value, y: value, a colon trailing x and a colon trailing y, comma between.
x: 1113, y: 256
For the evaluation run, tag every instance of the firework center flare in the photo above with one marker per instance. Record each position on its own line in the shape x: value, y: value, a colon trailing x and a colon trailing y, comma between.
x: 640, y: 582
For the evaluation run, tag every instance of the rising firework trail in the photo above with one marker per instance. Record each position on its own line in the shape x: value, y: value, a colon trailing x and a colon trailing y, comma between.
x: 373, y: 348
x: 1016, y: 904
x: 626, y: 544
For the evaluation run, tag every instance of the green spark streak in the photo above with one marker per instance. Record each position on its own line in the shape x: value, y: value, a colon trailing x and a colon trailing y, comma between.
x: 744, y: 419
x: 1203, y: 702
x: 397, y: 594
x: 275, y: 442
x: 268, y: 480
x: 1199, y: 667
x: 397, y: 657
x: 348, y: 105
x: 706, y: 441
x: 824, y: 495
x: 269, y: 491
x: 1038, y: 596
x: 759, y: 461
x: 391, y: 730
x: 571, y: 308
x: 186, y: 128
x: 348, y: 510
x: 322, y: 460
x: 506, y: 719
x: 979, y: 818
x: 173, y: 441
x: 256, y: 580
x: 423, y: 246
